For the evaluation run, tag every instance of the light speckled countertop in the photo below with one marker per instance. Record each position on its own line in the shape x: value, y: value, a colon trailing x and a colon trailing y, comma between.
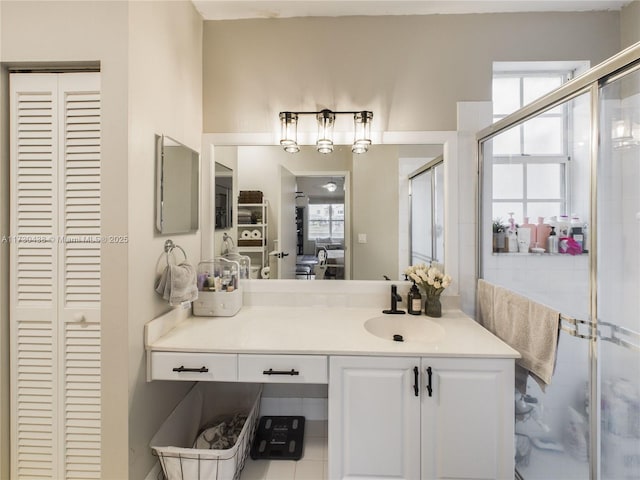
x: 322, y: 330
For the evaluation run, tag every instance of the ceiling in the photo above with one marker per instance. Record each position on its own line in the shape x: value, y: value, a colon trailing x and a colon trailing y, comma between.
x: 238, y: 9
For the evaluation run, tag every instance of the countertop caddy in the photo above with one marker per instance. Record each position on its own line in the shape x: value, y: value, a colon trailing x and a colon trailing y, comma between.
x: 437, y: 405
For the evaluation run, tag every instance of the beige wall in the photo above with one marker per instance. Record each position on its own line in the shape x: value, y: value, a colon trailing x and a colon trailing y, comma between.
x: 410, y: 71
x: 44, y: 33
x: 165, y: 97
x: 4, y: 277
x: 150, y: 62
x: 630, y: 24
x: 374, y: 182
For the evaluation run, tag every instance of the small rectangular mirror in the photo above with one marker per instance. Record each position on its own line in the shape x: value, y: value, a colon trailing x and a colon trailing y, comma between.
x: 177, y: 186
x: 224, y: 196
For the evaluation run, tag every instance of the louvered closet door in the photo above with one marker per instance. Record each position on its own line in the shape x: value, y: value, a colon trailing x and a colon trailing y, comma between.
x: 55, y: 275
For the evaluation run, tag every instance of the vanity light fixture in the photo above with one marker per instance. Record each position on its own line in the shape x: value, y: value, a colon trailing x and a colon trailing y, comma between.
x: 289, y: 131
x: 326, y: 120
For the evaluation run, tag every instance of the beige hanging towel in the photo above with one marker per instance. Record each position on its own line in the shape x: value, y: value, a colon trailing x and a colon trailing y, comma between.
x: 485, y: 305
x: 529, y: 327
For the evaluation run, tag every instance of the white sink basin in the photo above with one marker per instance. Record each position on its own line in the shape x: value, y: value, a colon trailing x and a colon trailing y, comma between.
x: 412, y: 328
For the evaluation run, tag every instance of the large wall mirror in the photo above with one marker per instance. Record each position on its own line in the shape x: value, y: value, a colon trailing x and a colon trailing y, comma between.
x: 177, y: 186
x: 368, y: 226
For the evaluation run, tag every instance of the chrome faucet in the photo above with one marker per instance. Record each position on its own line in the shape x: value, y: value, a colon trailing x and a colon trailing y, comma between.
x: 395, y: 298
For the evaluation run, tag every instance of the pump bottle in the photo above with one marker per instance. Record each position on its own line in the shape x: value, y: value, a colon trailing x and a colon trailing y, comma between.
x: 414, y: 300
x: 552, y: 241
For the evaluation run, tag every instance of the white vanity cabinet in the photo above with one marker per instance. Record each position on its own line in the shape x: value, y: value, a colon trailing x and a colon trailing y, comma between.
x: 467, y: 421
x: 374, y: 417
x: 384, y: 422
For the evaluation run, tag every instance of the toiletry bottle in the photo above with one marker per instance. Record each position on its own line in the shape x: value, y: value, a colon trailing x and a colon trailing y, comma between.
x: 534, y: 230
x: 576, y: 231
x: 512, y: 239
x: 552, y: 241
x: 542, y: 233
x: 563, y: 226
x: 414, y: 300
x: 524, y: 239
x: 226, y: 279
x: 585, y: 244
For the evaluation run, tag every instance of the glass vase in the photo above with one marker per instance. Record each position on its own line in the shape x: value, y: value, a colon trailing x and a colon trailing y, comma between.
x: 432, y: 306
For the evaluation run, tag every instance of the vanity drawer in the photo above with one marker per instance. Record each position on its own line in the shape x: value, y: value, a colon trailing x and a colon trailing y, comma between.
x: 282, y: 368
x: 202, y: 367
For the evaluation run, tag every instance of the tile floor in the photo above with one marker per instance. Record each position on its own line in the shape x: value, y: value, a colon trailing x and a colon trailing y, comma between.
x: 312, y: 465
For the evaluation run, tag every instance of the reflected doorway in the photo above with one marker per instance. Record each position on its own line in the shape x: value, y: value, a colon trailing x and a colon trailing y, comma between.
x: 321, y: 219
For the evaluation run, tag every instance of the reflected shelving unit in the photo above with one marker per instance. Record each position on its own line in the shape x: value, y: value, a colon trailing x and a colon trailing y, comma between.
x: 253, y: 232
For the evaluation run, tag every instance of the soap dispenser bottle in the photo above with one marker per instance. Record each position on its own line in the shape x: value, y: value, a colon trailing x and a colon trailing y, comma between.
x: 552, y: 241
x: 414, y: 300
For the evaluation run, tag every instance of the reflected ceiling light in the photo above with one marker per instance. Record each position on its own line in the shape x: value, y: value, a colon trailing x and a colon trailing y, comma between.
x: 326, y: 120
x: 330, y: 186
x: 625, y: 130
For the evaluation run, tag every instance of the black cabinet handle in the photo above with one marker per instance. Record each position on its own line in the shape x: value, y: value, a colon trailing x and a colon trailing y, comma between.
x: 429, y: 389
x: 182, y: 368
x: 271, y: 371
x: 416, y: 373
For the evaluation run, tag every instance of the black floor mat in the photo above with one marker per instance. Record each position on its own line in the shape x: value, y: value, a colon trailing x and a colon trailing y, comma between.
x: 278, y: 438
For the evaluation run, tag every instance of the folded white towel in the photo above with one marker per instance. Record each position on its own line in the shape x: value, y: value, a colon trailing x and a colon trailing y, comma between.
x: 178, y: 284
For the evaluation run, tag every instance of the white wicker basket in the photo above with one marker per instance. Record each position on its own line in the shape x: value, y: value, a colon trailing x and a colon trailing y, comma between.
x: 206, y: 400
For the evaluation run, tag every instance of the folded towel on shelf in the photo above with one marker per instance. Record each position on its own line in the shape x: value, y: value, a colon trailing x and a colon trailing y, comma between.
x: 530, y: 328
x: 178, y: 284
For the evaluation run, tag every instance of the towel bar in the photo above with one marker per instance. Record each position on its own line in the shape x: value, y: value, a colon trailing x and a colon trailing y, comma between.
x: 614, y: 334
x: 574, y: 327
x: 614, y: 337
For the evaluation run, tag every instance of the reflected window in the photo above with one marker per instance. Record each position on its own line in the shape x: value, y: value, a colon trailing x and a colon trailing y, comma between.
x: 326, y: 220
x: 427, y: 213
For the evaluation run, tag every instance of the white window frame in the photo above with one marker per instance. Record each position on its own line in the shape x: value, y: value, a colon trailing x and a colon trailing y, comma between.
x: 331, y: 220
x: 562, y: 158
x: 563, y: 161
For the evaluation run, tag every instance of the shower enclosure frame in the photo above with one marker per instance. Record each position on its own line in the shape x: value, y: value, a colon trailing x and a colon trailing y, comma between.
x: 623, y: 63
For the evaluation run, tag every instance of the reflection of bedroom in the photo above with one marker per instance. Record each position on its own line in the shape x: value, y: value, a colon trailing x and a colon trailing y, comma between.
x: 320, y: 216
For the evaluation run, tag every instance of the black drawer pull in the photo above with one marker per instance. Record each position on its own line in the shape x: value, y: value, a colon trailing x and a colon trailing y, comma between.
x: 182, y: 368
x: 429, y: 373
x: 416, y: 389
x: 271, y: 371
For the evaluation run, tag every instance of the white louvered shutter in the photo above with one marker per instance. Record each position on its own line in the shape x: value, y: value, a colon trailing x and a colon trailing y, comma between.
x: 55, y: 275
x: 79, y: 272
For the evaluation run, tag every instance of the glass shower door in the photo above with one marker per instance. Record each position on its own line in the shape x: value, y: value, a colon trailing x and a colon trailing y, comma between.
x: 536, y: 172
x: 618, y: 285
